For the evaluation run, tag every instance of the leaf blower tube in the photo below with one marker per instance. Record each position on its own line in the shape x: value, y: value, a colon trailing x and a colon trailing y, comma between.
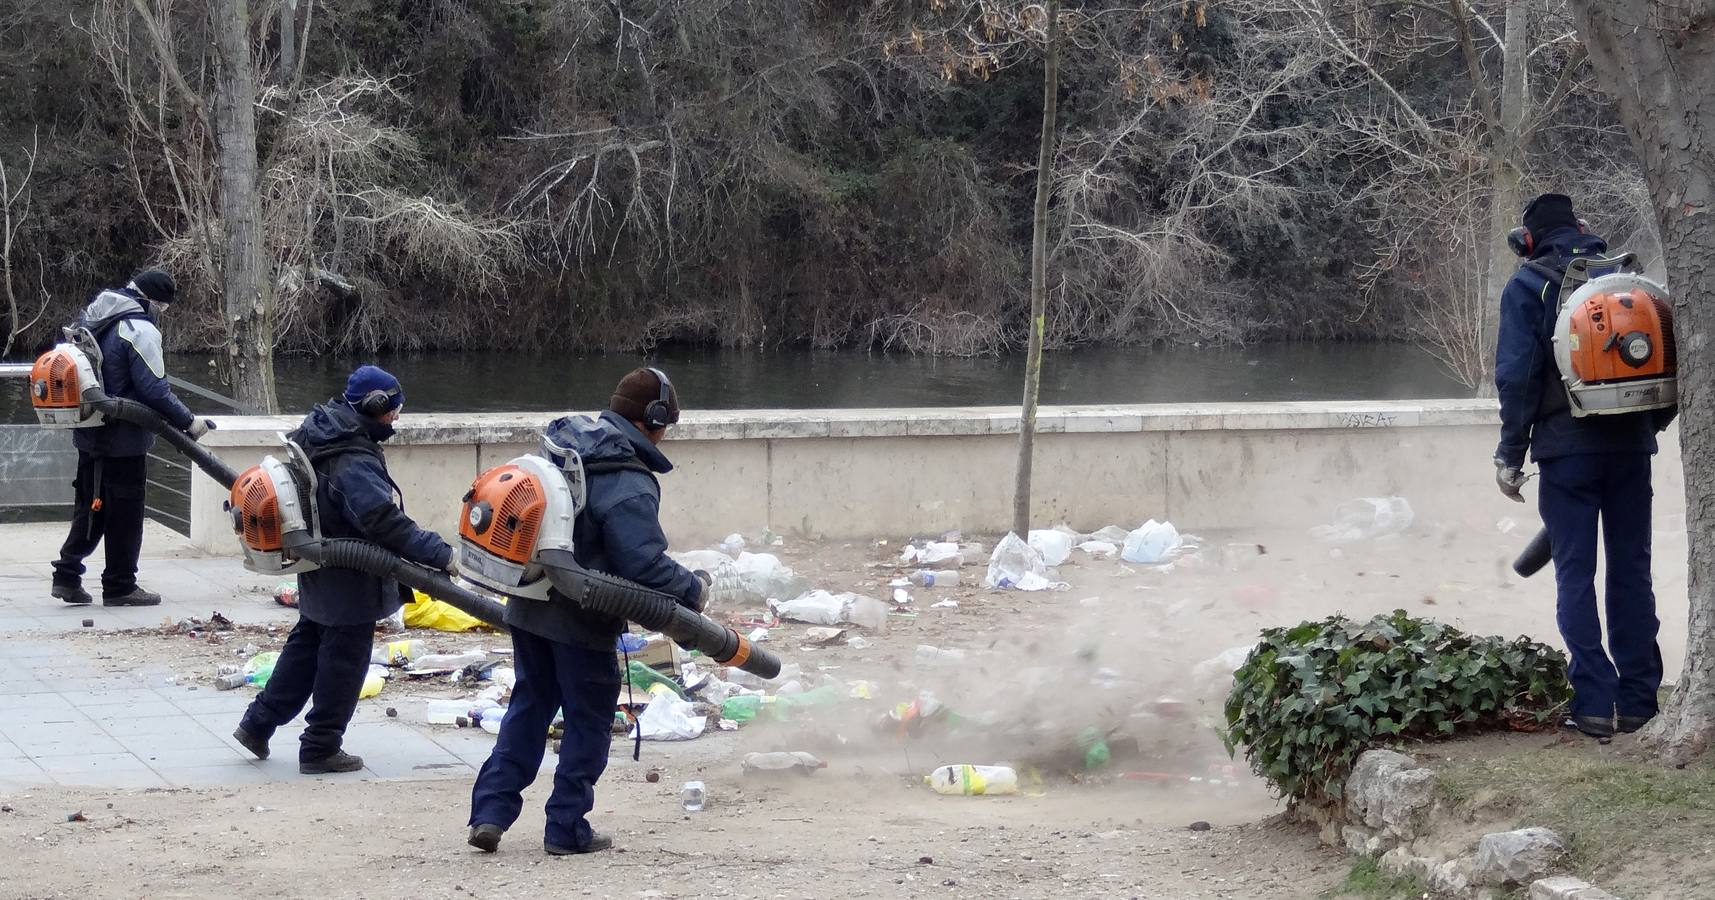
x: 655, y: 611
x: 374, y: 559
x: 119, y: 409
x: 1536, y: 555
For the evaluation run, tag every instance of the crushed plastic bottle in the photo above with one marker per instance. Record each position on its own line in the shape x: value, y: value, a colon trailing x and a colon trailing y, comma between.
x: 373, y: 682
x: 932, y: 578
x: 971, y: 781
x: 692, y: 796
x: 437, y: 662
x: 446, y: 712
x: 785, y: 761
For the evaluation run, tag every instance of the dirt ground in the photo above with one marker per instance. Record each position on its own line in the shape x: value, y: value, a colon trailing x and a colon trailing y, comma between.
x: 1040, y: 670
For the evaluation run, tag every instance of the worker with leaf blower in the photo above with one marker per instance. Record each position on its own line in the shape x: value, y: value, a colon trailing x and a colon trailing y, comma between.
x: 563, y: 652
x: 111, y: 457
x: 1585, y: 385
x: 326, y: 656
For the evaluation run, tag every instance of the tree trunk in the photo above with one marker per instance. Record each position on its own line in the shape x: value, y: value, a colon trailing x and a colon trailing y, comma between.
x: 1659, y: 62
x: 1504, y: 195
x: 1038, y: 273
x: 246, y: 288
x: 288, y: 41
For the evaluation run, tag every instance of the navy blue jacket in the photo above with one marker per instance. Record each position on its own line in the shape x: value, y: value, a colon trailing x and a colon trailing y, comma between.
x: 355, y: 497
x: 1535, y: 414
x: 133, y: 367
x: 618, y: 531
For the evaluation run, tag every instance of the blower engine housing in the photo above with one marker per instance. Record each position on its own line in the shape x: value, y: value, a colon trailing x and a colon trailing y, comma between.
x: 271, y: 500
x: 65, y: 381
x: 511, y: 514
x: 1613, y: 343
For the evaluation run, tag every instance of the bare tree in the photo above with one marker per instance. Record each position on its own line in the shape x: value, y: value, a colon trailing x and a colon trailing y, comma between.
x: 1038, y: 269
x: 245, y: 287
x: 14, y: 212
x: 1658, y: 60
x: 1390, y: 44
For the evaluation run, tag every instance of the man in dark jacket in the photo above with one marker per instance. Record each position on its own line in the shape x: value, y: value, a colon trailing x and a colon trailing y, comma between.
x: 109, y: 488
x: 564, y: 654
x: 1593, y: 469
x: 327, y: 654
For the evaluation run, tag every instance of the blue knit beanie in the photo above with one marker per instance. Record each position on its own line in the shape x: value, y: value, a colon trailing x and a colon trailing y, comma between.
x: 374, y: 378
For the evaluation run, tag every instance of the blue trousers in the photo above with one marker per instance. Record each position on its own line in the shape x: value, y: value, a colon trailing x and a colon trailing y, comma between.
x: 551, y: 675
x: 1613, y: 489
x: 323, y: 665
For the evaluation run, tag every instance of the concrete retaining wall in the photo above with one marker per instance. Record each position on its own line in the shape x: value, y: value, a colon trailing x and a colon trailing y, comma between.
x: 900, y: 472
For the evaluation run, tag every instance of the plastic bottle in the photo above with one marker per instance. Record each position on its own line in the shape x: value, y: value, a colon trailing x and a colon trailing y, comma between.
x: 489, y: 718
x: 930, y: 578
x: 446, y: 712
x: 454, y: 661
x: 373, y: 682
x: 231, y: 680
x: 397, y: 653
x: 794, y: 761
x: 973, y: 780
x: 692, y: 795
x: 938, y: 656
x: 643, y: 678
x: 742, y: 708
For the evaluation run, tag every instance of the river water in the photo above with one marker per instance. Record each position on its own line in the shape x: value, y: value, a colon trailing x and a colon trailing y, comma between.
x: 730, y: 379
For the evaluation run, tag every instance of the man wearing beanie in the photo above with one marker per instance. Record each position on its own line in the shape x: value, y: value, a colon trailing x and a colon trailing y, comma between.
x: 327, y: 654
x: 111, y: 475
x: 564, y: 654
x: 1594, y: 469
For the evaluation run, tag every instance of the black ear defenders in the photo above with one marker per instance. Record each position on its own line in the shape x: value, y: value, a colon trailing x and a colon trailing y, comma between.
x: 376, y: 403
x: 659, y: 413
x: 1522, y: 243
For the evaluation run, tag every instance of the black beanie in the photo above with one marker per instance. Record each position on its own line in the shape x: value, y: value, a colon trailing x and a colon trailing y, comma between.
x: 156, y: 285
x: 1548, y: 213
x: 638, y: 389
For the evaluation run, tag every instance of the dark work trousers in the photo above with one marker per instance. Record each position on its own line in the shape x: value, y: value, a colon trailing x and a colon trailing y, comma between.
x: 551, y: 675
x: 323, y: 665
x: 1577, y: 492
x: 118, y: 522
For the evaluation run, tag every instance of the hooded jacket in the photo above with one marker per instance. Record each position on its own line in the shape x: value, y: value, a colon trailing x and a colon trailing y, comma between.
x: 355, y: 497
x: 133, y: 367
x: 1535, y: 413
x: 618, y: 531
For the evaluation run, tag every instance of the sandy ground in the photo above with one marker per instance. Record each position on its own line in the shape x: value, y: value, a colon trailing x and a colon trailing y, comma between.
x: 1040, y: 669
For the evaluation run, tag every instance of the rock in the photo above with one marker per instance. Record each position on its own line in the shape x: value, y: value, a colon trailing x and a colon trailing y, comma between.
x: 1361, y: 840
x: 1200, y: 826
x: 1452, y: 877
x: 1565, y: 887
x: 1517, y: 857
x: 1399, y: 863
x: 1390, y: 793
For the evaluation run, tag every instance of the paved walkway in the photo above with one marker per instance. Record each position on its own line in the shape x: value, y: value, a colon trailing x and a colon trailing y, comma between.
x: 59, y: 724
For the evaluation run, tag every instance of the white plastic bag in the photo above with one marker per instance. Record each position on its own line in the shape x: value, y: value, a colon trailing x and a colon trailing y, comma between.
x: 1365, y: 518
x: 814, y: 608
x: 667, y: 718
x: 1055, y: 545
x: 937, y: 552
x: 1151, y: 543
x: 1011, y: 560
x: 1030, y: 581
x: 1099, y: 549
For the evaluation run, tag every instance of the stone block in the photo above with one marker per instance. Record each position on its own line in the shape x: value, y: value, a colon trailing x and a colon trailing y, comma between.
x: 1390, y: 792
x: 1565, y: 887
x: 1517, y: 857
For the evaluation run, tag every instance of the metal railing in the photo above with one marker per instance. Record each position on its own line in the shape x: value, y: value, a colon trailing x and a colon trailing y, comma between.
x: 54, y: 462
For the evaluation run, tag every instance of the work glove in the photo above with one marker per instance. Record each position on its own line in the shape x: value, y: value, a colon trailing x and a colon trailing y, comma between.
x: 1510, y: 480
x: 199, y: 427
x: 453, y: 567
x: 704, y: 581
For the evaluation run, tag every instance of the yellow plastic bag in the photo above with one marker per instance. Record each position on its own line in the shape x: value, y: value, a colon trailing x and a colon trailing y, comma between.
x: 372, y: 683
x: 425, y: 611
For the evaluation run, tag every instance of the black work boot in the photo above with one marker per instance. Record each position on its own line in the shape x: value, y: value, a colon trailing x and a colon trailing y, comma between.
x: 137, y: 597
x: 597, y: 844
x: 486, y: 837
x: 336, y: 763
x: 254, y: 743
x: 1602, y: 729
x: 1630, y: 724
x: 73, y: 594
